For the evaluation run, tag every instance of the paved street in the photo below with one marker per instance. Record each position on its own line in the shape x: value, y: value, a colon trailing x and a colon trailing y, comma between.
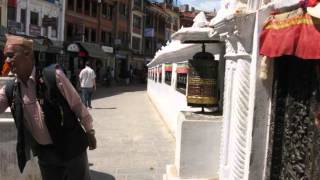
x: 133, y: 141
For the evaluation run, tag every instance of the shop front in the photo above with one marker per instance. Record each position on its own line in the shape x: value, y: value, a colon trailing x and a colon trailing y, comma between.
x: 122, y: 64
x: 79, y: 53
x: 109, y: 64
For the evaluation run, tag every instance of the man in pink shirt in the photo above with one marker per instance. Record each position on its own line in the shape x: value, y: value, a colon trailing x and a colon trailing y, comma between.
x: 49, y: 116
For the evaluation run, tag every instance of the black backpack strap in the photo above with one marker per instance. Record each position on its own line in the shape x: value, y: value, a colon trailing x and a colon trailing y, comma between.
x: 9, y: 88
x: 49, y: 77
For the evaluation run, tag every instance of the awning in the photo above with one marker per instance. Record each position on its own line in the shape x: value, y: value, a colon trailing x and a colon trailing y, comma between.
x: 55, y: 48
x: 291, y: 33
x: 94, y: 50
x: 38, y: 45
x: 195, y: 35
x: 185, y: 53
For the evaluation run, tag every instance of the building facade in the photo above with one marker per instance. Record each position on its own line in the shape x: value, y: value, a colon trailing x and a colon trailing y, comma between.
x: 4, y: 7
x: 89, y: 36
x: 36, y: 18
x: 137, y: 62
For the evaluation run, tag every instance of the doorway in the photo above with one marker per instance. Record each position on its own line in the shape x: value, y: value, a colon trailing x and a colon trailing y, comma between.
x: 295, y: 141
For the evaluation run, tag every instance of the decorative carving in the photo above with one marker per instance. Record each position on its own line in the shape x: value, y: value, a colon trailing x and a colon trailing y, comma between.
x: 236, y: 118
x: 295, y: 151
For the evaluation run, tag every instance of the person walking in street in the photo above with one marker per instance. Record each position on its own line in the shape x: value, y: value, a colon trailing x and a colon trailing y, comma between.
x: 49, y: 115
x: 88, y: 84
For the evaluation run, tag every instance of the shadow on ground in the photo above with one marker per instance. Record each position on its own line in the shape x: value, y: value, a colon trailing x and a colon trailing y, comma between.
x: 95, y: 175
x: 117, y: 89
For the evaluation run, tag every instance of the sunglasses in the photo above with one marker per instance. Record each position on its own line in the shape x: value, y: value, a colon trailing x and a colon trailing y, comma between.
x: 9, y: 55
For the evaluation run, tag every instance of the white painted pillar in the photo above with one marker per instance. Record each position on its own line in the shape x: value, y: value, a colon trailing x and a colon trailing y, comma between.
x: 237, y: 122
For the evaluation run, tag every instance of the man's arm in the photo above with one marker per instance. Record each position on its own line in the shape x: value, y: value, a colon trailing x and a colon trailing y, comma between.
x: 76, y: 105
x: 74, y: 100
x: 94, y: 79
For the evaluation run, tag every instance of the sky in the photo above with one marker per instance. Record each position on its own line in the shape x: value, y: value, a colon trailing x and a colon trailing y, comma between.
x: 207, y: 5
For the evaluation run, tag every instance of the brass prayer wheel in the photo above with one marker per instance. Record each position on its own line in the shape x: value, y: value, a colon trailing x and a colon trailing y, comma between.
x: 202, y: 81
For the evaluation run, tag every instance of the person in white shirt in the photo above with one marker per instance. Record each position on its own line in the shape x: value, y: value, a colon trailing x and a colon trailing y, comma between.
x: 87, y: 78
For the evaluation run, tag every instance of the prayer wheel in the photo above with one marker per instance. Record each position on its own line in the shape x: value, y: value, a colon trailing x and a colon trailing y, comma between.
x: 202, y: 81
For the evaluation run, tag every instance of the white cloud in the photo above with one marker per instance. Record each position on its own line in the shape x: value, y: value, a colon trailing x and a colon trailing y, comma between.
x: 208, y: 5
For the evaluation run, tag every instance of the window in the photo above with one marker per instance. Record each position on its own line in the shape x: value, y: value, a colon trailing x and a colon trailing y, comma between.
x: 104, y: 9
x: 70, y: 31
x: 93, y: 35
x: 103, y: 37
x: 162, y: 25
x: 71, y: 5
x: 136, y: 22
x: 79, y: 6
x: 136, y: 43
x: 54, y: 28
x: 109, y: 38
x: 87, y: 7
x: 160, y: 74
x: 137, y: 4
x: 107, y: 11
x: 23, y: 18
x: 123, y: 37
x: 94, y: 8
x: 11, y: 13
x: 168, y: 74
x: 45, y: 29
x: 86, y: 34
x: 167, y: 78
x: 123, y: 10
x: 182, y: 82
x: 149, y: 20
x: 34, y: 18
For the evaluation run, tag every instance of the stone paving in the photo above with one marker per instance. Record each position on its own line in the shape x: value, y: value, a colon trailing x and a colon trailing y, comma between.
x: 133, y: 141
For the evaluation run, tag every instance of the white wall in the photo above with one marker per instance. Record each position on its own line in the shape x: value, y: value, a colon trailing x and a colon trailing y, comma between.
x: 168, y: 101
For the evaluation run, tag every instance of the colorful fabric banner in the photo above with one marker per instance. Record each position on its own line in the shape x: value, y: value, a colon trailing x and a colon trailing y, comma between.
x: 291, y: 33
x: 168, y: 67
x: 182, y: 68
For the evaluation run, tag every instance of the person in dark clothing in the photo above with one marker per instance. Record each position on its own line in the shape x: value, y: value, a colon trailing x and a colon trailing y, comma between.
x: 49, y: 116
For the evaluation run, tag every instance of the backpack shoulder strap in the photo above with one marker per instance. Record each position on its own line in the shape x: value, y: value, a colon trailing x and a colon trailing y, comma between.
x: 9, y: 87
x: 49, y: 77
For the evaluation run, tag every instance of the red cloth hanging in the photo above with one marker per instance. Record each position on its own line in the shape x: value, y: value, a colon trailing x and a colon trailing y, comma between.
x: 12, y: 3
x: 168, y: 67
x: 292, y: 33
x: 311, y: 3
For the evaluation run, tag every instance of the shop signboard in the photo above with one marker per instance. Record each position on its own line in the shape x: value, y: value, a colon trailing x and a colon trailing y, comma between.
x: 49, y: 21
x: 14, y: 27
x: 73, y: 48
x: 149, y: 32
x: 117, y: 42
x: 34, y: 30
x: 202, y: 81
x: 107, y: 49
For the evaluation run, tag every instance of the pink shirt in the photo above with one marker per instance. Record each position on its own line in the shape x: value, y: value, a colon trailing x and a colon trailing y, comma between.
x: 33, y: 114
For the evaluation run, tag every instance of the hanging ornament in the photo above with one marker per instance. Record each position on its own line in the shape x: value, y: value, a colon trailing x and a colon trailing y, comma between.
x: 264, y: 67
